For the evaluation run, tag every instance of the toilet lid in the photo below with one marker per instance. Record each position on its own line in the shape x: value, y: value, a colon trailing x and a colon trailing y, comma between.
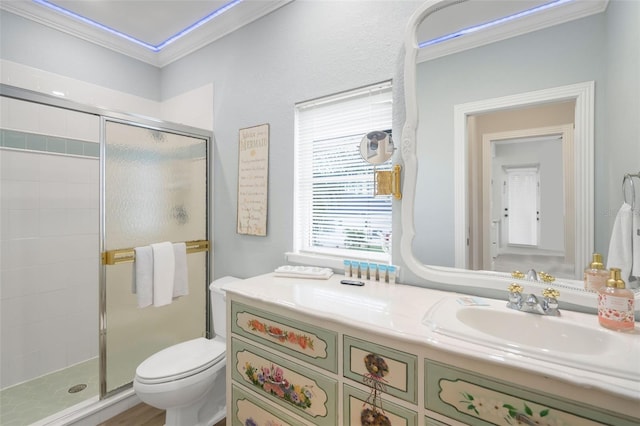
x: 181, y: 360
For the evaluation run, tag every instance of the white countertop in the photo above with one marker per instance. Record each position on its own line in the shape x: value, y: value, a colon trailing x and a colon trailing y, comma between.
x: 397, y: 311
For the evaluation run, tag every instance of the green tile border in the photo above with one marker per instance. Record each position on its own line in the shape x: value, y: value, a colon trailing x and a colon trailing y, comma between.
x: 50, y: 144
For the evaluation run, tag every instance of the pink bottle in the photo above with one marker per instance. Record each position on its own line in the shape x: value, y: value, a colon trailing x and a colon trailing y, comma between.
x: 615, y: 304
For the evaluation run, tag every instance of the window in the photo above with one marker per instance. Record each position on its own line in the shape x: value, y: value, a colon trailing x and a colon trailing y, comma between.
x: 336, y: 213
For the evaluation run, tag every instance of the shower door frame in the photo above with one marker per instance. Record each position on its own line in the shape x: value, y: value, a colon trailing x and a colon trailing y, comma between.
x: 149, y: 123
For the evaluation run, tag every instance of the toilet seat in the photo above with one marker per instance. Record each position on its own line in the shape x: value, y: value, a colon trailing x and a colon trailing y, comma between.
x: 179, y: 361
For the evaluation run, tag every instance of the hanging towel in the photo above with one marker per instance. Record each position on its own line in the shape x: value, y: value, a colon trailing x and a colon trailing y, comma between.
x: 620, y: 245
x: 181, y: 277
x: 164, y: 266
x: 142, y: 282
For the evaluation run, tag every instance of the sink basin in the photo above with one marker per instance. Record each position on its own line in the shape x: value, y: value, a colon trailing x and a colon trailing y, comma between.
x: 572, y: 339
x: 543, y: 333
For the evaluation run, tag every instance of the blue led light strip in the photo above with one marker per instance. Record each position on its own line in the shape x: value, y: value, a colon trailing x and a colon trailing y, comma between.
x: 493, y: 23
x: 153, y: 48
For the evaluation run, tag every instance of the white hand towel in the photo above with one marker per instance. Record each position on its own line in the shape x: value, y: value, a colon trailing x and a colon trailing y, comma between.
x: 164, y: 266
x: 620, y: 246
x: 181, y: 278
x: 142, y: 282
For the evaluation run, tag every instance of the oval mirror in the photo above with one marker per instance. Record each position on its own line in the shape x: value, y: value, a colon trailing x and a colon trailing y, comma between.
x: 558, y: 54
x: 376, y: 147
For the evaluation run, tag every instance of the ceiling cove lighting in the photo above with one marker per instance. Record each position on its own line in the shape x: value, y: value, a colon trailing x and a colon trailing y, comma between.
x: 153, y: 48
x: 493, y: 23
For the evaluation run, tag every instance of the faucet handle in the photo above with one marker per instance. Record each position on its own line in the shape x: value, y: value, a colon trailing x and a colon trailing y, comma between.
x: 515, y: 296
x: 515, y: 288
x: 517, y: 274
x: 551, y: 293
x: 547, y: 278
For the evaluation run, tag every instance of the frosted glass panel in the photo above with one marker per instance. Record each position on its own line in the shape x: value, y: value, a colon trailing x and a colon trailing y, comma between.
x: 155, y: 190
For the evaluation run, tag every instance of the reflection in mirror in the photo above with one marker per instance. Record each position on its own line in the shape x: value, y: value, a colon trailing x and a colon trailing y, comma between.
x: 499, y: 157
x: 574, y: 58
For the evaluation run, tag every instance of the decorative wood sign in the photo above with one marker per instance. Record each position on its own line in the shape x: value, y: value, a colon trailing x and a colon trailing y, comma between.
x: 253, y: 180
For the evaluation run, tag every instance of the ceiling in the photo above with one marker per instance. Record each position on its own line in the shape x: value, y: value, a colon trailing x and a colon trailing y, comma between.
x: 154, y: 31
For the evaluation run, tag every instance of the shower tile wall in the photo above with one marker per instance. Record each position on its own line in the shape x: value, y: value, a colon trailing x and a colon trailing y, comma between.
x: 49, y: 245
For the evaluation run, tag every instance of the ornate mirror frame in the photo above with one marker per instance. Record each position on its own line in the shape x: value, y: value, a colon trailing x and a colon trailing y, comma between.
x: 482, y: 282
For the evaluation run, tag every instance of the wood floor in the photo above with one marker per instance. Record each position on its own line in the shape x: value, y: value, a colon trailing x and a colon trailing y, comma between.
x: 142, y: 415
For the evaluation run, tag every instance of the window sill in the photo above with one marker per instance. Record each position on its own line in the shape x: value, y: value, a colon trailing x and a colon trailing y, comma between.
x: 314, y: 259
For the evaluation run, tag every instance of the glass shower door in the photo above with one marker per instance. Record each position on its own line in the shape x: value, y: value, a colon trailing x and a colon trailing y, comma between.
x: 155, y: 190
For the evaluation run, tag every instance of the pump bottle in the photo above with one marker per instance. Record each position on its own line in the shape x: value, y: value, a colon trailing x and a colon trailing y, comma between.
x: 615, y: 304
x: 595, y: 276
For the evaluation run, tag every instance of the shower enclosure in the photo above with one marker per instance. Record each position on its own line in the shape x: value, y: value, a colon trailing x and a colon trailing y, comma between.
x: 80, y: 188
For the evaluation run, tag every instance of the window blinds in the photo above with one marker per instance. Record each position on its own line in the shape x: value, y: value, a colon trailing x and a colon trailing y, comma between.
x: 335, y: 211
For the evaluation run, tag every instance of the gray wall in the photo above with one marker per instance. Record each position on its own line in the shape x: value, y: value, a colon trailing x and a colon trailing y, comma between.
x: 620, y: 150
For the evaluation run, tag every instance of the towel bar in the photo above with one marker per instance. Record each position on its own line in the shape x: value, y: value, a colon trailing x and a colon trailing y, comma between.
x: 629, y: 177
x: 128, y: 255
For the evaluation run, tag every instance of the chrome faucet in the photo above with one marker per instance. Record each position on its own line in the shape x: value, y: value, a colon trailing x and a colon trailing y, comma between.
x: 547, y: 306
x: 532, y: 275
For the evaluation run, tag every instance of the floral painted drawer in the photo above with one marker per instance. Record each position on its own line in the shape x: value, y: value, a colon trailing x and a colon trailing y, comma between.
x: 290, y: 385
x: 250, y: 411
x: 474, y: 399
x: 361, y: 410
x: 394, y: 371
x: 306, y: 342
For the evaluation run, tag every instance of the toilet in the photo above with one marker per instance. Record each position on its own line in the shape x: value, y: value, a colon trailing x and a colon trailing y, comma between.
x: 188, y: 379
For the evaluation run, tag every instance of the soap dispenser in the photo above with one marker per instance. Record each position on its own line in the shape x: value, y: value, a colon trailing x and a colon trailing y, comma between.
x: 595, y: 276
x: 615, y: 304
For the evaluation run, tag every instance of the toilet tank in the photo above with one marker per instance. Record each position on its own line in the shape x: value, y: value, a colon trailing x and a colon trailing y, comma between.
x: 219, y: 304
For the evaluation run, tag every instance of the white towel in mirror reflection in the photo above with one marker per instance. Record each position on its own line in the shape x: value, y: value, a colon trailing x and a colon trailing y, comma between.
x: 624, y: 246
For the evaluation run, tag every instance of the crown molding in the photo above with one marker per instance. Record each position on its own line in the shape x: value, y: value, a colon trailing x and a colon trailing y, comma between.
x: 544, y: 19
x: 242, y: 14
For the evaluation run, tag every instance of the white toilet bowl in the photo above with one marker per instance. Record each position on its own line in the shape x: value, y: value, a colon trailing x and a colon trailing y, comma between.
x: 188, y: 379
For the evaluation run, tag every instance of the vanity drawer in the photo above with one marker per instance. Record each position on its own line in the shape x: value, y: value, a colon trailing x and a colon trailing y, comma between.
x: 290, y: 385
x: 363, y: 361
x: 304, y: 341
x: 247, y: 410
x: 358, y: 410
x: 470, y: 398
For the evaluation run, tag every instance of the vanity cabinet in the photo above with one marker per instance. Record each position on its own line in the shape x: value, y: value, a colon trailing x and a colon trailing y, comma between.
x: 292, y: 363
x: 284, y: 369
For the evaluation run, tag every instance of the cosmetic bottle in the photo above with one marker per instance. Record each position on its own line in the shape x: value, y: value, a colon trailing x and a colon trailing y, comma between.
x: 392, y: 274
x: 595, y: 275
x: 384, y: 275
x: 364, y: 271
x: 348, y: 272
x: 615, y: 304
x: 375, y: 274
